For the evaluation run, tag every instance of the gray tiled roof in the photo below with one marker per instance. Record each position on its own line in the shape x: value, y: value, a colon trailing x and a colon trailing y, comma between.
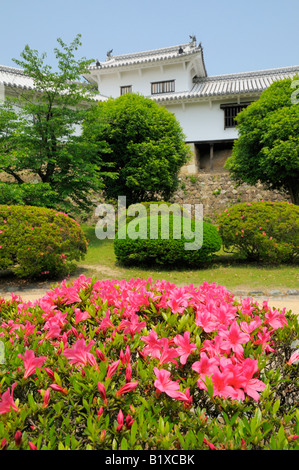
x: 16, y: 78
x: 13, y: 77
x: 239, y: 83
x: 154, y: 55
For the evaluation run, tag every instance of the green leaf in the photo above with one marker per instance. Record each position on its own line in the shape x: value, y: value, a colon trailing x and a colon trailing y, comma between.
x: 133, y: 433
x: 276, y: 407
x: 31, y: 401
x: 123, y: 444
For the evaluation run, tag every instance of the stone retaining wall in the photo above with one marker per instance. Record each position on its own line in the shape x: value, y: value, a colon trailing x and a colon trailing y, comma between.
x: 216, y: 191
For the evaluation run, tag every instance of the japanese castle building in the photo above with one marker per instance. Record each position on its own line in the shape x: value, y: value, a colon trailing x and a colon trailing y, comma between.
x: 176, y: 77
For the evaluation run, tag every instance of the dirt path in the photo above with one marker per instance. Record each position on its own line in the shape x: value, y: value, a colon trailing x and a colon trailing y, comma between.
x: 290, y: 302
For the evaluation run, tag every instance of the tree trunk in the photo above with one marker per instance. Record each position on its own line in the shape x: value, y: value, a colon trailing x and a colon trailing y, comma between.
x: 294, y: 193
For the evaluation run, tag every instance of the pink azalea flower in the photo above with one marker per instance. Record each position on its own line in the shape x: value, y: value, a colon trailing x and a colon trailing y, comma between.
x: 250, y: 327
x: 155, y: 345
x: 164, y: 384
x: 100, y: 412
x: 205, y: 366
x: 18, y: 438
x: 294, y: 358
x: 128, y: 354
x: 102, y: 391
x: 209, y: 444
x: 220, y: 384
x: 112, y: 369
x: 225, y: 313
x: 236, y: 379
x: 126, y: 388
x: 58, y: 388
x: 80, y: 354
x: 106, y: 322
x: 185, y: 397
x: 264, y: 338
x: 32, y: 446
x: 53, y: 331
x: 7, y: 402
x: 129, y: 421
x: 128, y: 373
x: 31, y: 362
x: 29, y: 329
x: 246, y: 306
x: 58, y: 319
x: 167, y: 355
x: 276, y: 319
x: 80, y: 316
x: 46, y: 398
x: 100, y: 355
x: 132, y: 325
x: 205, y: 320
x: 184, y: 348
x: 213, y: 347
x: 253, y: 385
x: 233, y: 338
x: 120, y: 420
x: 49, y: 372
x: 178, y: 301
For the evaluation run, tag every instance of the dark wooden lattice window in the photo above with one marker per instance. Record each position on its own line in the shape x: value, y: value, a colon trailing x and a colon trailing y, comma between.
x: 230, y: 112
x: 125, y: 89
x: 162, y: 87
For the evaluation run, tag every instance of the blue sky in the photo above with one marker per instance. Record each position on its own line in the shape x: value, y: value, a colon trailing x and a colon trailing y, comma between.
x: 237, y: 36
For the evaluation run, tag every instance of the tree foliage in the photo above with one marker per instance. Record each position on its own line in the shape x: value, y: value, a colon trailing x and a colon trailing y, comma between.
x: 267, y: 149
x: 40, y: 133
x: 147, y: 147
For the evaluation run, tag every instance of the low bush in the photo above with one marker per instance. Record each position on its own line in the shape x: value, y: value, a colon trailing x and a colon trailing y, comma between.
x: 33, y: 194
x: 172, y: 245
x: 36, y: 242
x: 262, y: 231
x: 143, y: 365
x: 162, y: 206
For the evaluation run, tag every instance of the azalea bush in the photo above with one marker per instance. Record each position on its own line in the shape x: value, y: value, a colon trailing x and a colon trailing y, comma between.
x: 39, y: 242
x: 142, y: 365
x: 169, y: 247
x: 262, y: 231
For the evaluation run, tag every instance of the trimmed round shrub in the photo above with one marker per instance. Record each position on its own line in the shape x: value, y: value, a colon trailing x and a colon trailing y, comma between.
x: 172, y: 245
x: 147, y: 365
x: 262, y: 231
x: 38, y: 242
x: 162, y: 206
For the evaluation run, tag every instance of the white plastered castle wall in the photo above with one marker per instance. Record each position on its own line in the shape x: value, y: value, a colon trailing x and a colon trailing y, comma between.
x: 2, y: 92
x: 202, y: 121
x: 110, y: 82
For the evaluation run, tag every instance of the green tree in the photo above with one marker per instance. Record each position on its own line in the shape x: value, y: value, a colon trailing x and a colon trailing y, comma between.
x: 267, y: 149
x: 41, y: 137
x: 147, y: 147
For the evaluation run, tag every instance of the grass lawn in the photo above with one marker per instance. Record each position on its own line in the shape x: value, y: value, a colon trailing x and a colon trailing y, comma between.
x: 226, y: 270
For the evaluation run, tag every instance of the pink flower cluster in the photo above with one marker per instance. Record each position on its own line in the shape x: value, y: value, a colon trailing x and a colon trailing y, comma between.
x: 224, y: 326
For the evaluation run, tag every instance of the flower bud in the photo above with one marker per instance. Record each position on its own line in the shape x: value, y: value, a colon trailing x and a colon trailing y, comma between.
x: 18, y: 438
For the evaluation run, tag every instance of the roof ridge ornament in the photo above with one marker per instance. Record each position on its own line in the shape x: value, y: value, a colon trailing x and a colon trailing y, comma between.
x: 193, y: 39
x: 109, y: 54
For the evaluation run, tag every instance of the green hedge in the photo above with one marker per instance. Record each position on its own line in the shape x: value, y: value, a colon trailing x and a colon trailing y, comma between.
x: 262, y: 231
x: 167, y: 249
x: 162, y: 206
x: 36, y: 242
